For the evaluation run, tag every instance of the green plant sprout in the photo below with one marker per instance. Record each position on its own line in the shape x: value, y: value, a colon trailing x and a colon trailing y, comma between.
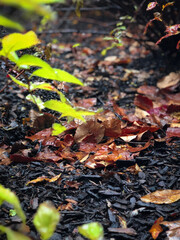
x: 8, y: 196
x: 117, y: 34
x: 79, y: 4
x: 36, y: 6
x: 18, y: 41
x: 92, y: 231
x: 45, y: 219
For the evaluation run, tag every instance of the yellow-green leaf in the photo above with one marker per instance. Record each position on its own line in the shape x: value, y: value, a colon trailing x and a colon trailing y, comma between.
x: 12, y: 235
x: 57, y: 74
x: 46, y: 219
x: 63, y: 108
x: 92, y: 231
x: 37, y: 6
x: 17, y: 41
x: 6, y: 22
x: 18, y: 82
x: 7, y: 195
x: 30, y: 60
x: 43, y: 86
x: 57, y: 129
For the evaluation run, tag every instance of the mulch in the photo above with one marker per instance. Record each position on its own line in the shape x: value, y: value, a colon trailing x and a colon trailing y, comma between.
x: 109, y: 194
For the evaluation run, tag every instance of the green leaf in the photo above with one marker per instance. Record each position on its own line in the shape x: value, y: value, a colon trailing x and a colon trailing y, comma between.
x: 18, y: 82
x: 12, y: 235
x: 46, y: 219
x: 8, y: 196
x: 6, y: 22
x: 63, y: 108
x: 12, y: 212
x: 57, y: 74
x: 92, y: 231
x: 57, y: 129
x: 17, y: 41
x: 36, y: 6
x: 35, y: 100
x: 30, y: 60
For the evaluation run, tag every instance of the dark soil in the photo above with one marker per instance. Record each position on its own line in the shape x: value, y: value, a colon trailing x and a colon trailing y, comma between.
x: 102, y: 194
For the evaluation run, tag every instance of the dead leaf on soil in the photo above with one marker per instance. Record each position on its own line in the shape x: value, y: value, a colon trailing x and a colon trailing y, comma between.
x: 174, y: 230
x: 156, y: 229
x: 143, y: 102
x: 44, y: 178
x: 90, y: 128
x: 128, y: 231
x: 162, y: 196
x: 173, y: 132
x: 169, y: 80
x: 135, y: 169
x: 4, y: 156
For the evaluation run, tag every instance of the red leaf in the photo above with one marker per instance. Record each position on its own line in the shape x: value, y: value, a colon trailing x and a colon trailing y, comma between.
x: 166, y: 36
x: 173, y: 132
x: 178, y: 45
x: 143, y: 102
x: 173, y: 30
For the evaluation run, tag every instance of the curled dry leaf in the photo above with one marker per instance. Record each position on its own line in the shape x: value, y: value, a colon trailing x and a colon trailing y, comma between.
x: 43, y: 178
x: 174, y: 230
x: 162, y: 196
x: 169, y: 80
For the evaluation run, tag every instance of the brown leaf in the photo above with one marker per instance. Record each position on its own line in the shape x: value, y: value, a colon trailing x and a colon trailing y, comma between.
x: 173, y: 132
x: 147, y: 90
x: 128, y: 231
x: 169, y: 80
x: 90, y: 128
x: 174, y: 230
x: 162, y: 196
x: 156, y: 229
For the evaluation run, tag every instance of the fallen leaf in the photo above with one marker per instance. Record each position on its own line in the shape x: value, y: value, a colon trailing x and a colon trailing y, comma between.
x: 43, y: 178
x: 143, y: 102
x: 169, y: 80
x: 162, y: 196
x: 128, y: 231
x: 90, y: 128
x: 156, y: 229
x: 174, y: 230
x: 135, y: 169
x: 173, y: 132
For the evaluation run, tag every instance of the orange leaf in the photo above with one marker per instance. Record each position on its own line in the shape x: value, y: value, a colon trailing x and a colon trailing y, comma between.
x: 156, y: 229
x: 166, y: 5
x: 43, y: 178
x: 162, y: 196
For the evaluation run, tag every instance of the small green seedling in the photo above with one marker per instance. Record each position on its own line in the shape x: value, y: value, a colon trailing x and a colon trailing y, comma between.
x: 46, y: 219
x: 10, y: 197
x: 13, y: 235
x: 92, y: 231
